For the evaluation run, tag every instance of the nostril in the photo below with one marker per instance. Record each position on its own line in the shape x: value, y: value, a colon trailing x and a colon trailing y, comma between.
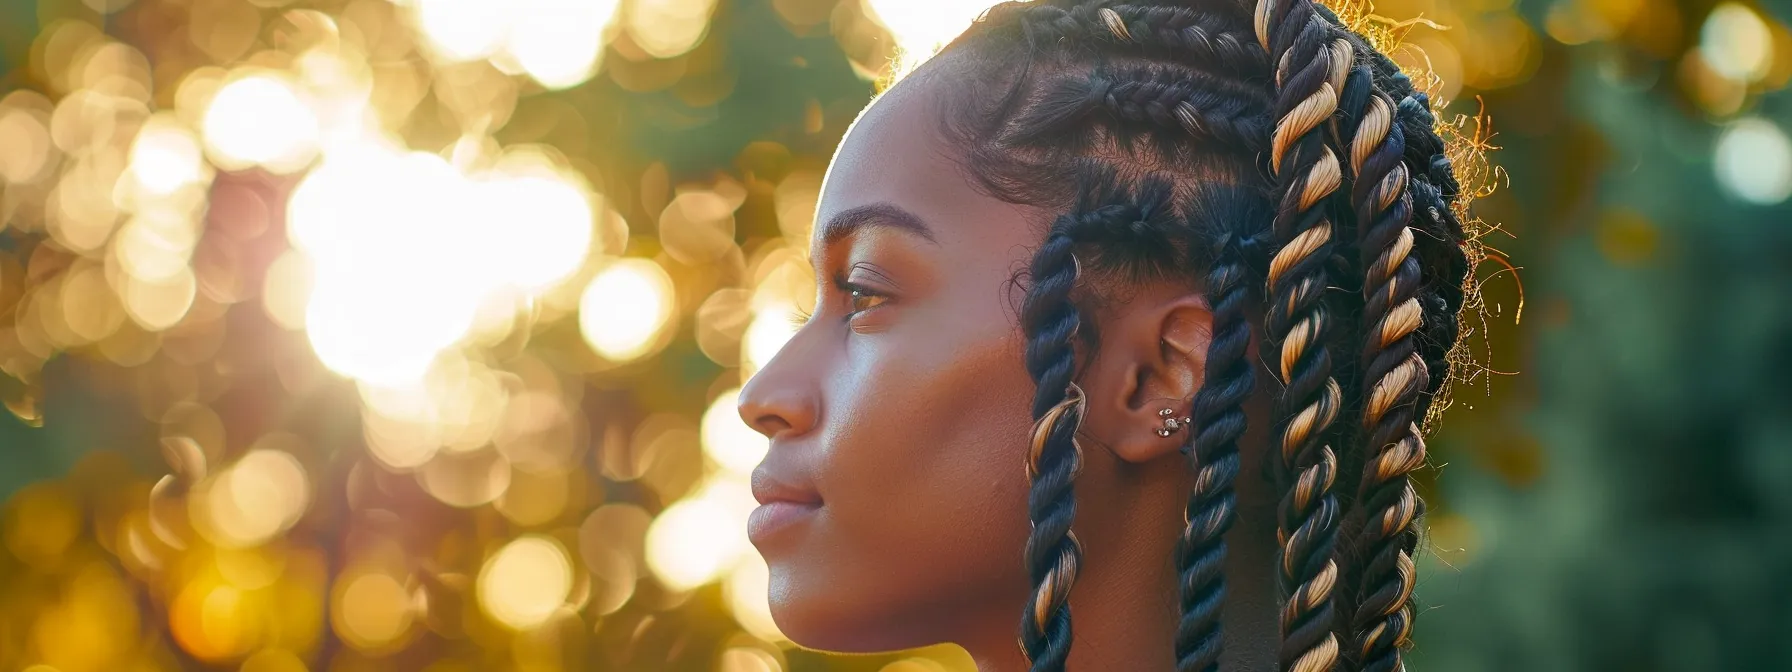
x: 769, y: 425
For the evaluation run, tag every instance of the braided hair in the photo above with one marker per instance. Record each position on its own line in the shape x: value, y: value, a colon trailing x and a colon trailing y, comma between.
x: 1262, y: 154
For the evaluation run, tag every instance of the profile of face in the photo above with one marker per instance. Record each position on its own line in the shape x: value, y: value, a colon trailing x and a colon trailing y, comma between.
x: 899, y: 413
x: 1048, y: 263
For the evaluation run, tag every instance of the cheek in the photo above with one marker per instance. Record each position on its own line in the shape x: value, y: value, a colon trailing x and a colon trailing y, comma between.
x: 924, y: 475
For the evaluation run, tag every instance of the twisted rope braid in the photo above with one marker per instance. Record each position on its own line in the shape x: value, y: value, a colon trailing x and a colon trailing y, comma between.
x: 1129, y: 230
x: 1204, y: 106
x: 1053, y: 554
x: 1394, y: 378
x: 1312, y: 65
x: 1220, y: 422
x: 1432, y: 181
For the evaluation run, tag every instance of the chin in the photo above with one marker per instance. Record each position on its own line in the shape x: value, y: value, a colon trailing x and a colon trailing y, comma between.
x: 818, y: 613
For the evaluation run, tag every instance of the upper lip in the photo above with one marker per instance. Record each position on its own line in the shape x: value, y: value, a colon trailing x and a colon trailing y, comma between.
x: 771, y: 485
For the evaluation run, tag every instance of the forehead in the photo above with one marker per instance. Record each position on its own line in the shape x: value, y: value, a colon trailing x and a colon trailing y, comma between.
x: 895, y: 155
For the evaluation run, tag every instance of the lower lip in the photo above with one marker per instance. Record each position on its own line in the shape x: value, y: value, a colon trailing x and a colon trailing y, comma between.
x: 770, y: 518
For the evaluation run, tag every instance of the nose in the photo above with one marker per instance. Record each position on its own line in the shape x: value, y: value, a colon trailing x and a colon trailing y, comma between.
x: 777, y: 402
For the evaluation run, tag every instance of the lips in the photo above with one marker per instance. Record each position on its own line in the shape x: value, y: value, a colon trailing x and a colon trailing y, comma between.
x: 784, y: 501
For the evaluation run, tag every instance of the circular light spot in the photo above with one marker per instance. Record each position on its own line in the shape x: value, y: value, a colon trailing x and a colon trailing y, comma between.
x: 371, y: 611
x: 462, y: 29
x: 166, y: 156
x: 559, y: 42
x: 259, y: 119
x: 525, y: 582
x: 1736, y: 43
x: 625, y: 307
x: 1754, y: 161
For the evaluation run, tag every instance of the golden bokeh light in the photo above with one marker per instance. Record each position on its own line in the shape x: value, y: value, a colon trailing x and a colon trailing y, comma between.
x: 273, y: 660
x: 625, y: 308
x: 921, y: 27
x: 466, y: 480
x: 40, y: 522
x: 259, y: 119
x: 215, y: 621
x: 166, y: 155
x: 393, y: 261
x: 534, y: 498
x: 748, y: 659
x: 259, y: 496
x: 728, y: 440
x: 26, y: 149
x: 462, y: 29
x: 559, y: 43
x: 667, y: 28
x: 748, y: 589
x: 91, y: 627
x: 371, y: 610
x: 526, y: 582
x: 697, y: 227
x: 550, y: 224
x: 399, y: 268
x: 286, y: 289
x: 612, y: 543
x: 770, y: 329
x: 700, y: 538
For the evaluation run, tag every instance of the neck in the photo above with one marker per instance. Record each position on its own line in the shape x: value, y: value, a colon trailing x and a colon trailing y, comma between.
x: 1125, y: 604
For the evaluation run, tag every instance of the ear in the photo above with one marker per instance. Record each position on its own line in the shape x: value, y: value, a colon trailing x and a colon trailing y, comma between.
x: 1152, y: 357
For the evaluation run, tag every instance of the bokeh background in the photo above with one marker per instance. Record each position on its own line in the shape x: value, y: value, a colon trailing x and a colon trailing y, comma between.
x: 397, y: 335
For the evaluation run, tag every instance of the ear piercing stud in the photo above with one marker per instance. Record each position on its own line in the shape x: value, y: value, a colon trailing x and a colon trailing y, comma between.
x: 1172, y: 424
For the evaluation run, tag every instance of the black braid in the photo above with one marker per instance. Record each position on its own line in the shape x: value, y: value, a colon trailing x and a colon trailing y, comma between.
x: 1050, y: 321
x: 1133, y: 232
x: 1168, y: 96
x: 1219, y: 421
x: 1179, y: 34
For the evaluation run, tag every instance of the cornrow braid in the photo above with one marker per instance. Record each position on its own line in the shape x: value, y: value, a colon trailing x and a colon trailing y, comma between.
x: 1312, y: 63
x: 1174, y: 97
x: 1394, y: 377
x: 1179, y: 34
x: 1219, y: 421
x: 1051, y: 321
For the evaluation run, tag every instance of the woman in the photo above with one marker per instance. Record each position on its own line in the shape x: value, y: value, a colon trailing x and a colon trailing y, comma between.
x: 1226, y: 291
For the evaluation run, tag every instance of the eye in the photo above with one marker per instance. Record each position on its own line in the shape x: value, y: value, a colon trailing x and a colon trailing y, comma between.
x: 862, y: 299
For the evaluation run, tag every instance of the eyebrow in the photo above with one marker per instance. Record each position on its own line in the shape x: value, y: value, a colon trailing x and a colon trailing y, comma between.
x: 874, y: 215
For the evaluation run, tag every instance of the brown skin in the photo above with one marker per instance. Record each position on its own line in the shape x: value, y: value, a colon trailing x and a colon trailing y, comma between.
x: 905, y: 410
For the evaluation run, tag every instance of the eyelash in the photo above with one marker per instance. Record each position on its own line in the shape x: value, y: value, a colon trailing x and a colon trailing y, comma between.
x: 853, y: 291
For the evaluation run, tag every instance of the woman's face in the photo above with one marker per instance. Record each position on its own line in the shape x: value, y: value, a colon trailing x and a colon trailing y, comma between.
x: 898, y: 413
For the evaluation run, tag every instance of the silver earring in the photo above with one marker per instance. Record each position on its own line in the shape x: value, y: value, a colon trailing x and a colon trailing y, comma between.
x: 1172, y: 424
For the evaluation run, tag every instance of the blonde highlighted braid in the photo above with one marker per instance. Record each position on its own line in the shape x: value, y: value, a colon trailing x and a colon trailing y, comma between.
x: 1311, y: 65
